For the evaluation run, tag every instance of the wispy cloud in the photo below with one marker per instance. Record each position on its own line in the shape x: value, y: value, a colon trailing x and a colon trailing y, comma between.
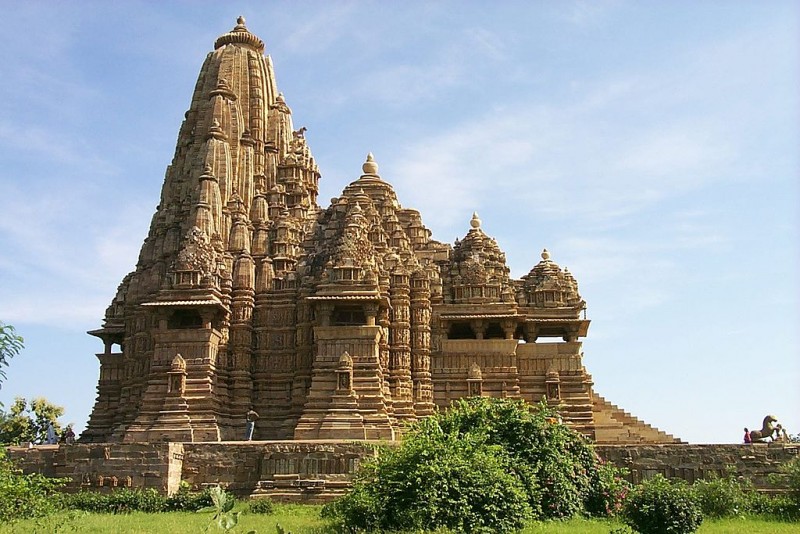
x: 584, y: 13
x: 325, y: 25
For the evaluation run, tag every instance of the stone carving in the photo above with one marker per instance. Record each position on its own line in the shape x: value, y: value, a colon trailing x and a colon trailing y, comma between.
x: 335, y: 322
x: 197, y: 253
x: 768, y: 430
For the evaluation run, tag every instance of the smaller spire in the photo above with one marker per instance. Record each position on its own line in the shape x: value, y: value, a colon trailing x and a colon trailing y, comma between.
x: 369, y: 166
x: 475, y: 222
x: 216, y: 130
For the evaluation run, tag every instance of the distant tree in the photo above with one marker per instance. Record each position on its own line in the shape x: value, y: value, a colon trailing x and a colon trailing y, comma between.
x: 10, y: 345
x: 28, y: 421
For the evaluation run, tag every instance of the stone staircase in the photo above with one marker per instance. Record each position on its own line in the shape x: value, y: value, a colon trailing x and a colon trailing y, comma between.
x: 615, y: 425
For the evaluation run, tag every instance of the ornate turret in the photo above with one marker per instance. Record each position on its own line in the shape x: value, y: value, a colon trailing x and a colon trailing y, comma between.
x: 547, y: 286
x: 478, y: 272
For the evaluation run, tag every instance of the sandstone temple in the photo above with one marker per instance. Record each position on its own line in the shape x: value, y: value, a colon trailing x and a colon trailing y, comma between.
x: 341, y: 322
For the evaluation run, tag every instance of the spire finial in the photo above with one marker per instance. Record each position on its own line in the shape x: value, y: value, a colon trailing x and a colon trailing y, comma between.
x: 545, y: 255
x: 475, y: 222
x: 240, y: 23
x: 369, y: 166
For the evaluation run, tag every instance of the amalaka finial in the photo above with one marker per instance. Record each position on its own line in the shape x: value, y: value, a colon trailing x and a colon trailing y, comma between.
x: 241, y: 36
x: 475, y: 222
x: 369, y: 166
x: 545, y: 255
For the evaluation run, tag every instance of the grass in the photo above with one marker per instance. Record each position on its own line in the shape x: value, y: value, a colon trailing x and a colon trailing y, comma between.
x: 718, y: 526
x: 298, y: 519
x: 304, y: 519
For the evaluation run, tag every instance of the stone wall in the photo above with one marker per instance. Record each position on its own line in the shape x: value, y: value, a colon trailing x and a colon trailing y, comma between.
x: 318, y: 471
x: 105, y: 466
x: 694, y: 462
x: 298, y: 471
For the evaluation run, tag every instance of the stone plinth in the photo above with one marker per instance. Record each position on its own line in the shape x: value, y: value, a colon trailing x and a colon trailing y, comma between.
x: 318, y: 471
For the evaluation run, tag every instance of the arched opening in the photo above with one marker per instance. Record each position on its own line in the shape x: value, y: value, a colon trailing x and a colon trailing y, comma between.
x: 461, y: 331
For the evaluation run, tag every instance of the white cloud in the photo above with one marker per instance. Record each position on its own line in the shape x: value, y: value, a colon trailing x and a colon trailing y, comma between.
x: 324, y: 26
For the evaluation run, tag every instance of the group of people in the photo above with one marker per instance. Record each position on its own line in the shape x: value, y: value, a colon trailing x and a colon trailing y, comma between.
x: 67, y: 437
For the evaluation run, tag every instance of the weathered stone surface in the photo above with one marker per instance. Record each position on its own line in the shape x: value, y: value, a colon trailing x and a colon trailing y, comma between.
x: 247, y: 294
x: 105, y: 466
x: 318, y: 471
x: 693, y: 462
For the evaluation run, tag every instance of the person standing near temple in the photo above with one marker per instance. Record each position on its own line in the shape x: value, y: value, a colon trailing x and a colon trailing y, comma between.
x: 69, y: 436
x: 747, y: 438
x: 50, y: 438
x: 252, y: 417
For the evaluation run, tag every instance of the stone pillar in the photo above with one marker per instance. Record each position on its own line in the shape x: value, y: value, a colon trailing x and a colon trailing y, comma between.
x: 399, y: 347
x: 420, y: 345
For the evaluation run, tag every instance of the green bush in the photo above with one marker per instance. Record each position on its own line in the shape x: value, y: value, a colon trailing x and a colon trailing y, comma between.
x: 778, y: 507
x: 556, y: 464
x: 485, y: 465
x: 722, y: 497
x: 659, y: 506
x: 607, y: 492
x: 25, y: 496
x: 791, y: 470
x: 186, y: 501
x: 261, y: 505
x: 126, y: 500
x: 121, y: 501
x: 435, y: 479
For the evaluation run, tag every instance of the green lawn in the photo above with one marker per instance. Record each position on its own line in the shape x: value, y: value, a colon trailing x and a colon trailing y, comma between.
x: 300, y: 519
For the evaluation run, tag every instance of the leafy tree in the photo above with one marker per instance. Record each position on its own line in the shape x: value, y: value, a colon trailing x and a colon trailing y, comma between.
x: 10, y: 345
x: 26, y: 421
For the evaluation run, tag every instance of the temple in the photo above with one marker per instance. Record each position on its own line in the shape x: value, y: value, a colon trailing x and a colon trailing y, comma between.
x: 345, y: 322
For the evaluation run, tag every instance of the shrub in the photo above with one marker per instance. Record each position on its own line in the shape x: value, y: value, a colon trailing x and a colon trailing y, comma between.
x: 659, y: 506
x: 607, y: 492
x: 435, y: 479
x: 791, y: 470
x: 261, y: 505
x: 126, y: 500
x: 556, y: 464
x: 25, y: 496
x: 121, y: 501
x: 484, y: 465
x: 722, y: 497
x: 779, y: 507
x: 186, y: 501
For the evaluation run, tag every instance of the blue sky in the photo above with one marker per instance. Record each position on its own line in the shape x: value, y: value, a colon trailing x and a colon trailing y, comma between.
x: 651, y: 147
